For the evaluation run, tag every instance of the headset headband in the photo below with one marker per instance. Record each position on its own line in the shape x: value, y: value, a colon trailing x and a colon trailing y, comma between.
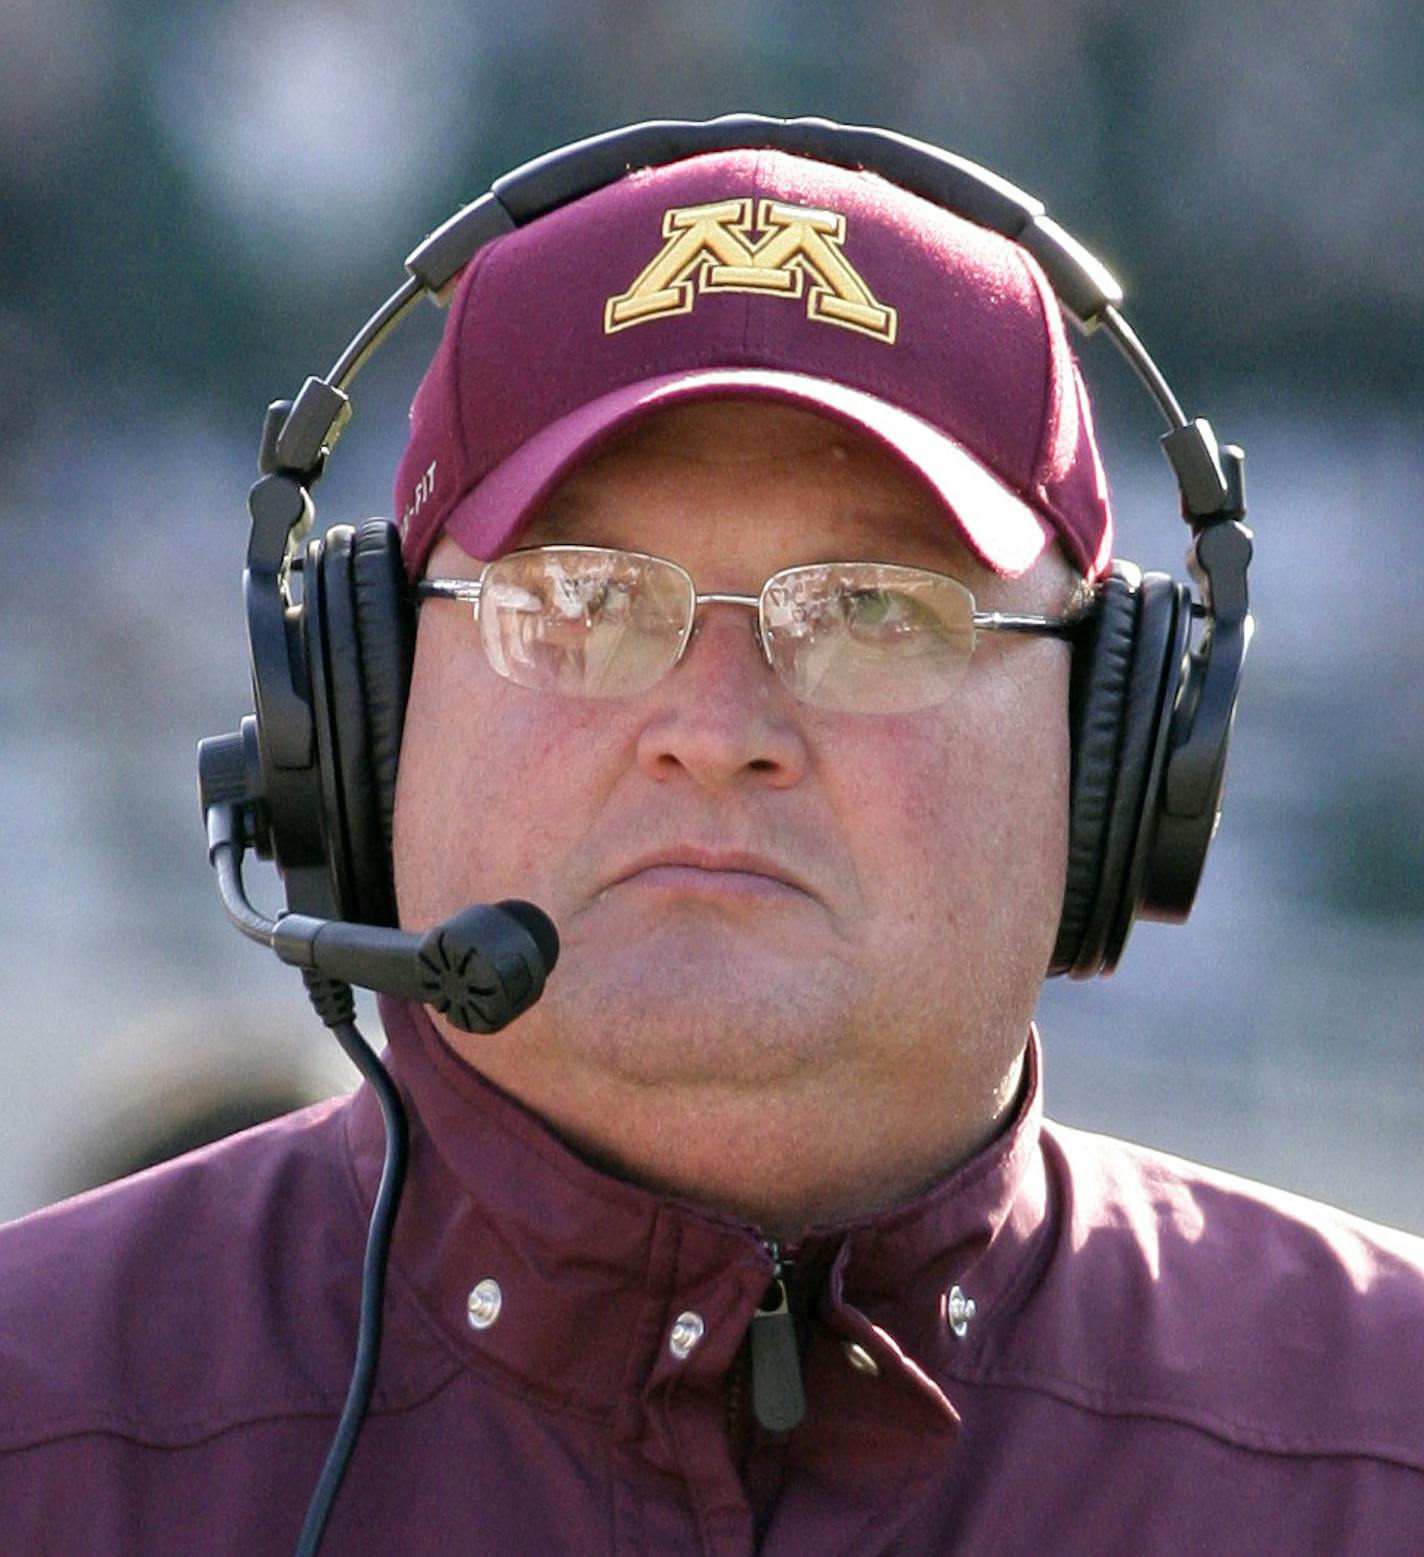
x: 1084, y: 286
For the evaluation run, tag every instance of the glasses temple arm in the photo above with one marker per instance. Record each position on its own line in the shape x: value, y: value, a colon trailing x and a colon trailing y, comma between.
x: 465, y: 589
x: 1011, y: 622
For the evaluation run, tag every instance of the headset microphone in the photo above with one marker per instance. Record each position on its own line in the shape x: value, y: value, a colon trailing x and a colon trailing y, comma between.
x: 480, y: 969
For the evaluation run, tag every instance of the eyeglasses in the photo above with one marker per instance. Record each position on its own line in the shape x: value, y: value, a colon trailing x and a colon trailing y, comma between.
x: 859, y: 637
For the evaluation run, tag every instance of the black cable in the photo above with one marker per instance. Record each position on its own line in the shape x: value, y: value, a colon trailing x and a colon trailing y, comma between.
x: 337, y: 1009
x: 329, y: 1001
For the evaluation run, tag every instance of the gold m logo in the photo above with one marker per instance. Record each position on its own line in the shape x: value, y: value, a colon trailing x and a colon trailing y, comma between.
x: 709, y: 248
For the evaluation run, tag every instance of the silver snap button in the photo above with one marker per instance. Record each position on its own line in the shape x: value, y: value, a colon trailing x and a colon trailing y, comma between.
x: 686, y: 1333
x: 484, y: 1304
x: 959, y: 1310
x: 860, y: 1359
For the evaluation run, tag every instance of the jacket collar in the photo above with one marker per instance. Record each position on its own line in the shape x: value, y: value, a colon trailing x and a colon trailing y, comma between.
x: 593, y: 1273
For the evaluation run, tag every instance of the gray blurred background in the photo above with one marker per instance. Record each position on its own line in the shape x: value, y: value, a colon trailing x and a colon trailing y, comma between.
x: 198, y: 207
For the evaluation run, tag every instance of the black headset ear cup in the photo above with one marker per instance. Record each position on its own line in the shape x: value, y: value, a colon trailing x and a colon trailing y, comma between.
x: 366, y: 634
x: 1164, y: 630
x: 1132, y: 814
x: 352, y: 821
x: 385, y: 631
x: 1101, y: 669
x: 1126, y: 680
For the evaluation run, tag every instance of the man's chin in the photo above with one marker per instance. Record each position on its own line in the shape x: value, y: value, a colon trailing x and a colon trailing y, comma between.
x: 695, y: 1009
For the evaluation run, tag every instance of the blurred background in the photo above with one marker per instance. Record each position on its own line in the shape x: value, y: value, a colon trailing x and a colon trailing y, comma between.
x: 197, y: 209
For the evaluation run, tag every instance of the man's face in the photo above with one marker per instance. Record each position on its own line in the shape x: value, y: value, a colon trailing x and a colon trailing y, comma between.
x: 800, y: 948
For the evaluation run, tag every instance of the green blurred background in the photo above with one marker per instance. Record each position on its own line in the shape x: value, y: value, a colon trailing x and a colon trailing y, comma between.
x: 198, y: 207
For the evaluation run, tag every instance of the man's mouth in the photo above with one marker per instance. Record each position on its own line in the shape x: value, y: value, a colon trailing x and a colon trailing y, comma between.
x: 712, y: 872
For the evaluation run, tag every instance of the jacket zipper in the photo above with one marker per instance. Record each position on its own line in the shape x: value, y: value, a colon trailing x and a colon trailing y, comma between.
x: 778, y: 1393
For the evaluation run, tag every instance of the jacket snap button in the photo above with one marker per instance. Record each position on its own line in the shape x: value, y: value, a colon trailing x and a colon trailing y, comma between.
x: 484, y: 1304
x: 686, y: 1333
x: 860, y: 1359
x: 959, y: 1310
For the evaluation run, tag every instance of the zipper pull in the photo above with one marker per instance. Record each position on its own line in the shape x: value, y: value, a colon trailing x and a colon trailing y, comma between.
x: 778, y: 1394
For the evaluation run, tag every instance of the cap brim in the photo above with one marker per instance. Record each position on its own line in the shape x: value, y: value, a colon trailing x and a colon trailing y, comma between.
x: 1001, y: 529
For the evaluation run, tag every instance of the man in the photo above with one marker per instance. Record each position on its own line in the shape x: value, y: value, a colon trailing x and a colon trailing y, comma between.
x: 750, y: 1235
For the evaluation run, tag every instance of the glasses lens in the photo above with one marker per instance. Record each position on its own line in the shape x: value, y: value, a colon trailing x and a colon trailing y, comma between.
x: 583, y: 620
x: 868, y: 637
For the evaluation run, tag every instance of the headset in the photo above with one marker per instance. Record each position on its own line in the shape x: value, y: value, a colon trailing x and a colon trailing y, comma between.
x: 308, y: 780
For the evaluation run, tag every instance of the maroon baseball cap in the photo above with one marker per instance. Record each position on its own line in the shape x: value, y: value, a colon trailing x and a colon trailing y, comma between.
x: 758, y: 275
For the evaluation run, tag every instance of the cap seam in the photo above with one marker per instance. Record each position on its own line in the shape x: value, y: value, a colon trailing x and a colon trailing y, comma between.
x: 1065, y: 530
x: 1031, y: 275
x: 467, y: 310
x: 746, y: 302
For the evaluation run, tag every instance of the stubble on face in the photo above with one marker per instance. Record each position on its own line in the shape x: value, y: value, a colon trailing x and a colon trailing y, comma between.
x: 834, y: 1012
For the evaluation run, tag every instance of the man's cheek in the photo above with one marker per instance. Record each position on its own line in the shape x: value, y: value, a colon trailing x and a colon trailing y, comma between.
x: 924, y: 791
x: 525, y: 790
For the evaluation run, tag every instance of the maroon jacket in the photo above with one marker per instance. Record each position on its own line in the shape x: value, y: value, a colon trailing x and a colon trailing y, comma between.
x: 1158, y: 1359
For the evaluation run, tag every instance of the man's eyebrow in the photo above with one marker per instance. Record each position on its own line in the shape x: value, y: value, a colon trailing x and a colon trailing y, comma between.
x: 565, y: 520
x: 557, y: 521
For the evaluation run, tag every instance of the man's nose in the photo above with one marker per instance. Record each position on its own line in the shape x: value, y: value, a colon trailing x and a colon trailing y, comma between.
x: 720, y: 715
